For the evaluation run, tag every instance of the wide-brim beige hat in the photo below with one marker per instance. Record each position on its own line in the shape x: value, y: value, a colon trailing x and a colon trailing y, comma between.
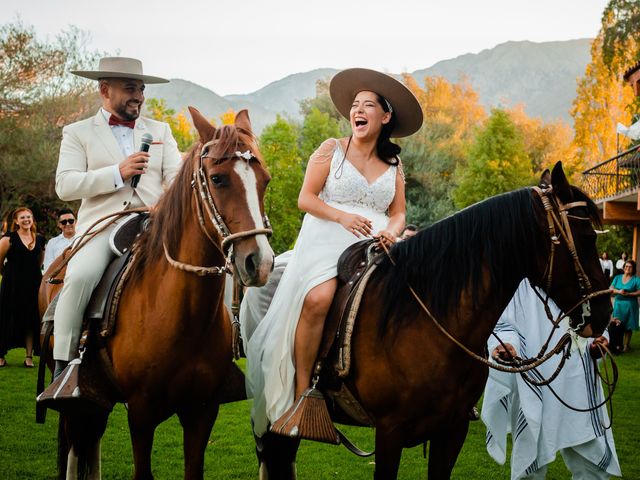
x: 119, y: 67
x: 345, y: 85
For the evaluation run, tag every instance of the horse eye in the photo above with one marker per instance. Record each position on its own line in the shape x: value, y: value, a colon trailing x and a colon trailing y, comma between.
x: 218, y: 180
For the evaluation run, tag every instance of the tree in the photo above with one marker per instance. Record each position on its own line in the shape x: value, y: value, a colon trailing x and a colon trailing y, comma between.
x: 546, y: 143
x: 228, y: 117
x: 38, y: 97
x: 601, y: 102
x: 282, y: 157
x: 620, y: 30
x: 316, y: 128
x: 181, y: 127
x: 452, y: 115
x: 497, y: 163
x: 321, y: 121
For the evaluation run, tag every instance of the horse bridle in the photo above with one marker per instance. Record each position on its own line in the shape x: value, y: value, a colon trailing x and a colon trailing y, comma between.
x: 205, y: 204
x: 560, y: 228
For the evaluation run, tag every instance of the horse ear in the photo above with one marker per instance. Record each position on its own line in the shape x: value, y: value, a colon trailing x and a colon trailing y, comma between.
x: 242, y: 120
x: 204, y: 128
x: 560, y: 183
x: 545, y: 179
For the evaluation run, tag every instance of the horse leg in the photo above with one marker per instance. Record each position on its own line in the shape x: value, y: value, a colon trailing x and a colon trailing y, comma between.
x: 142, y: 442
x: 388, y: 453
x: 197, y: 424
x: 276, y: 457
x: 444, y: 449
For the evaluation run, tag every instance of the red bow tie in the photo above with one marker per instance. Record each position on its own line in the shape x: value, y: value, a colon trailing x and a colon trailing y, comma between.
x: 125, y: 123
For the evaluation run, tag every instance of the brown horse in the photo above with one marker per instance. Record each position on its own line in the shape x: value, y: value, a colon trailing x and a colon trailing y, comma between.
x: 172, y: 346
x: 415, y: 383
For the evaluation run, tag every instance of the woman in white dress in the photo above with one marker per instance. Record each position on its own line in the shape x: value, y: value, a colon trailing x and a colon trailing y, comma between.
x: 353, y: 189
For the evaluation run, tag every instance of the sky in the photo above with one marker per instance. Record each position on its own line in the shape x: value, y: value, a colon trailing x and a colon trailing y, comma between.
x: 239, y: 46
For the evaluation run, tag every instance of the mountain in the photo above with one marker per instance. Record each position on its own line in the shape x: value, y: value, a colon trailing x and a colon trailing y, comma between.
x: 542, y: 76
x: 283, y: 96
x: 179, y: 94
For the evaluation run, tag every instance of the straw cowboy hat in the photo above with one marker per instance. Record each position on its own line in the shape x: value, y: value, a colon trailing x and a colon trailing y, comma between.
x: 345, y: 85
x: 119, y: 67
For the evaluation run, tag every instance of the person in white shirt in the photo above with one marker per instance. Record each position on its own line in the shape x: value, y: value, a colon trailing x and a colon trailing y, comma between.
x: 620, y: 263
x: 607, y: 265
x: 55, y: 246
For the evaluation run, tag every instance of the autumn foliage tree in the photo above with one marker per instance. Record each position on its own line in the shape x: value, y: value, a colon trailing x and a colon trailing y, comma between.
x: 181, y: 127
x: 452, y: 115
x: 38, y: 96
x: 601, y: 102
x: 546, y: 143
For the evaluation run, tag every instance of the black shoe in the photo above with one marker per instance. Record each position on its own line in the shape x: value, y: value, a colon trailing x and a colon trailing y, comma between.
x: 59, y: 368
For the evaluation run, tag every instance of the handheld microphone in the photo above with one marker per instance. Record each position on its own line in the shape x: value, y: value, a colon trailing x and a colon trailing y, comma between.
x: 144, y: 147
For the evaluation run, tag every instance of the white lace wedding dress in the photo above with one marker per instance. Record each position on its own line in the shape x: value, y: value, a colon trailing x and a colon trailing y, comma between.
x: 270, y: 367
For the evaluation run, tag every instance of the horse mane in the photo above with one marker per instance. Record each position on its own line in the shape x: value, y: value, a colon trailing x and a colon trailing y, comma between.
x: 447, y: 258
x: 174, y: 207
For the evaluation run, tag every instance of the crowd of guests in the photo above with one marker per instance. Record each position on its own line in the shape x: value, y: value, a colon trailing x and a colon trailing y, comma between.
x: 24, y: 255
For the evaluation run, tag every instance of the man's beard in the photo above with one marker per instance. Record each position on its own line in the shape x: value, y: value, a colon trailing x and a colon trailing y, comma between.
x: 121, y: 110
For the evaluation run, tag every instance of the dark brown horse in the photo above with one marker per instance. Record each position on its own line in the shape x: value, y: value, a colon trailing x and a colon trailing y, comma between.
x: 172, y: 346
x: 415, y: 383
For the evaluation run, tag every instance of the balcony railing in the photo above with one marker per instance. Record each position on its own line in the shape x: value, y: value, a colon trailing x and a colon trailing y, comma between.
x: 615, y: 176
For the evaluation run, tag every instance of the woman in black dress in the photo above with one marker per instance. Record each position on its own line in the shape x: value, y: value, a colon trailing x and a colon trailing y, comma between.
x: 23, y: 251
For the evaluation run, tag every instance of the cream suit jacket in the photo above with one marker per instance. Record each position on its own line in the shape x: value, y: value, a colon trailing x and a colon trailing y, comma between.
x: 85, y: 167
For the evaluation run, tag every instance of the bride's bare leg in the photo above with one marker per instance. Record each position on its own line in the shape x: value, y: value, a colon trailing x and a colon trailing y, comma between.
x: 309, y: 331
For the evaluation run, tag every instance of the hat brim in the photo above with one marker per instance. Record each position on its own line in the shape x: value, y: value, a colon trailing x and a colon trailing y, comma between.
x: 345, y: 85
x: 97, y: 75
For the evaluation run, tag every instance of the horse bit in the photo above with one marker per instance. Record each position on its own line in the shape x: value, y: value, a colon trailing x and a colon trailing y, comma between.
x: 205, y: 203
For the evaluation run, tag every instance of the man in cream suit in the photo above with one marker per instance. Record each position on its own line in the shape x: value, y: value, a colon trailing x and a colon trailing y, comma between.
x: 98, y: 158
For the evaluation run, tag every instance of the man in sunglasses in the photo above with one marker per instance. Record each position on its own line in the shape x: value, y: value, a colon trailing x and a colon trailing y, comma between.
x: 55, y: 246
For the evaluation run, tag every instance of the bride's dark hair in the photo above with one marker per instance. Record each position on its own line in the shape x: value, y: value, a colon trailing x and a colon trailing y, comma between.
x: 387, y: 150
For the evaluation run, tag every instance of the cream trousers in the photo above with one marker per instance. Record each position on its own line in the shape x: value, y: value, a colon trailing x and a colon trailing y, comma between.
x: 84, y: 271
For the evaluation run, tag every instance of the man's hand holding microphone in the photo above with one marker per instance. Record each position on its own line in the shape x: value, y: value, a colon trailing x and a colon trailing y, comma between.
x: 136, y: 164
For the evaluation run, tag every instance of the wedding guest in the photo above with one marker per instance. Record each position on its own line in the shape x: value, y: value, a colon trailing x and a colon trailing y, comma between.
x: 55, y: 246
x: 23, y: 250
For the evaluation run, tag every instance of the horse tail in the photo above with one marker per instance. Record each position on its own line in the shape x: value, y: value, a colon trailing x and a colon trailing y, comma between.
x: 79, y: 438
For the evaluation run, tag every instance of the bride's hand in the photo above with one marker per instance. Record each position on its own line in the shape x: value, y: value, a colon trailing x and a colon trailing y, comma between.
x: 356, y: 224
x: 386, y: 237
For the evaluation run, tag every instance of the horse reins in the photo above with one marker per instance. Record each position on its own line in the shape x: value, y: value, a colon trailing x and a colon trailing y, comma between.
x: 585, y: 285
x: 204, y: 203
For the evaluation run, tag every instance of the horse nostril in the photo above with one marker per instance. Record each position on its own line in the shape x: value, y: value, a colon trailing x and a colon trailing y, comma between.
x: 251, y: 265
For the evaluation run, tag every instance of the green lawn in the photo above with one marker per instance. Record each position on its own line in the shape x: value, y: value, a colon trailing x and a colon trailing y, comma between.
x: 27, y: 449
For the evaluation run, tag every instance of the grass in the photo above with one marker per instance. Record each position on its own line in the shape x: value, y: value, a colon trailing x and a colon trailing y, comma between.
x: 27, y: 449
